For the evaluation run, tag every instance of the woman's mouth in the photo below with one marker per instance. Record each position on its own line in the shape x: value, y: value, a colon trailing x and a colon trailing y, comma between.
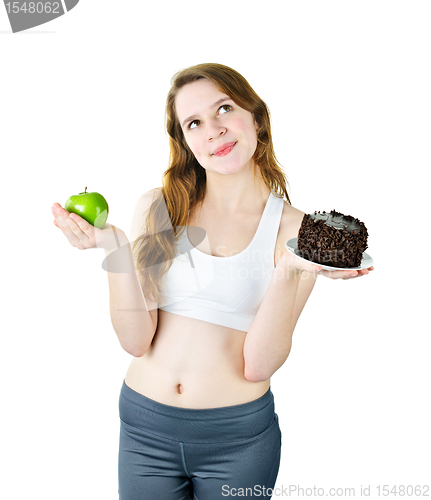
x: 224, y: 149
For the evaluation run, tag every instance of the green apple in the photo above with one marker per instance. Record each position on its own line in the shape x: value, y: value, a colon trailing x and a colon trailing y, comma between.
x: 90, y: 206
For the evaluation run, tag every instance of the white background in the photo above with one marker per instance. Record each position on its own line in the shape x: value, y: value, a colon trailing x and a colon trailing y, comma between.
x: 82, y: 104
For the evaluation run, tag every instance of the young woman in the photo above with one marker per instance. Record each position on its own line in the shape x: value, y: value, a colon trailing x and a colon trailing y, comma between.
x: 206, y: 299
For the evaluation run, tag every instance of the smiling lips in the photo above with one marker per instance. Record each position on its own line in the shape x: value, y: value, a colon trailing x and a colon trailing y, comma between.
x: 224, y: 149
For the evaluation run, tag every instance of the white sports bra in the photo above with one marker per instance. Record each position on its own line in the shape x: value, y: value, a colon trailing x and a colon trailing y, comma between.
x: 226, y: 291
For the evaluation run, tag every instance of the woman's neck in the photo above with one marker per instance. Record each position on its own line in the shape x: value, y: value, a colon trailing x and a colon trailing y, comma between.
x: 228, y: 197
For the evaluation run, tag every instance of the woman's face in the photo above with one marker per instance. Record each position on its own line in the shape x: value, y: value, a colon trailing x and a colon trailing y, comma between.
x: 210, y: 120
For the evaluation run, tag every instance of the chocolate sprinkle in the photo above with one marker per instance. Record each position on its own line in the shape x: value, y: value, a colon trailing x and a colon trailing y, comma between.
x: 332, y: 239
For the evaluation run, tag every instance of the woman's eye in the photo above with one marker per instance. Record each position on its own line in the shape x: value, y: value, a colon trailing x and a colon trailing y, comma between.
x: 191, y: 123
x: 226, y: 106
x: 197, y: 122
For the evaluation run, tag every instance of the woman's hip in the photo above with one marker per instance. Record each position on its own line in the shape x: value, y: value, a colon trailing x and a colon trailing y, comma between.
x: 242, y: 422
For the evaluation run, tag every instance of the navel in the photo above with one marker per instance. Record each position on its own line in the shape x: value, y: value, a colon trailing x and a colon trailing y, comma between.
x: 180, y: 389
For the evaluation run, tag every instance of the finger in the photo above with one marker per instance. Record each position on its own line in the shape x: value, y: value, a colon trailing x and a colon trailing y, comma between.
x: 357, y: 274
x: 72, y: 220
x: 62, y: 224
x: 70, y: 228
x: 344, y: 274
x: 80, y: 225
x: 313, y: 269
x: 302, y: 265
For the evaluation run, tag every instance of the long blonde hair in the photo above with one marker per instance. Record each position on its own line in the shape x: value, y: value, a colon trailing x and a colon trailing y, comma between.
x: 184, y: 182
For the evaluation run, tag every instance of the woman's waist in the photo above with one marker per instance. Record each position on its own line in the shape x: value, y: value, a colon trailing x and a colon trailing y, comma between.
x: 194, y: 384
x: 245, y: 421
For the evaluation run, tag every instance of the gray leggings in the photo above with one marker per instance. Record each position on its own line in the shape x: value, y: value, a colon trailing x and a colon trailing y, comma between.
x: 172, y: 453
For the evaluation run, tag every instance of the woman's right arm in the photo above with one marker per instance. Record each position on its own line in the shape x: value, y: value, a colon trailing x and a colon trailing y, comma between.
x: 134, y: 317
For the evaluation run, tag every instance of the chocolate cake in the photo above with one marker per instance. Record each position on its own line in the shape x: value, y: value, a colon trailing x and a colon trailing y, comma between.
x: 332, y: 239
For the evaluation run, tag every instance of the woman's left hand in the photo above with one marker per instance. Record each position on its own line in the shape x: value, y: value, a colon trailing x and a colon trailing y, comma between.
x: 297, y: 265
x: 345, y: 274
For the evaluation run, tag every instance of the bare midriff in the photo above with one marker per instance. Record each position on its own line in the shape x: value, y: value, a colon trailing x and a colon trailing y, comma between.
x: 194, y: 364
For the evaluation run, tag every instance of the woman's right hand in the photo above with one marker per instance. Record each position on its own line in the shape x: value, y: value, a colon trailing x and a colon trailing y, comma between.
x: 83, y: 235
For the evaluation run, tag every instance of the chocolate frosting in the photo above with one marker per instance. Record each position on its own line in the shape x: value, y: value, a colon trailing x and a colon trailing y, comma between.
x: 335, y: 219
x: 332, y: 239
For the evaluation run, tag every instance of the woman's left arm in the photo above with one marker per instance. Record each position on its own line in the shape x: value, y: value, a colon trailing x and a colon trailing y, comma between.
x: 269, y: 338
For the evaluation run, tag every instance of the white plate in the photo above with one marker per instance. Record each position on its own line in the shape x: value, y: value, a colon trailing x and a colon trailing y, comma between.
x: 367, y: 261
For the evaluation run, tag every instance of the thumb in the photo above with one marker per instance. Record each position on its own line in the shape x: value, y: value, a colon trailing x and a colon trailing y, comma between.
x: 302, y: 264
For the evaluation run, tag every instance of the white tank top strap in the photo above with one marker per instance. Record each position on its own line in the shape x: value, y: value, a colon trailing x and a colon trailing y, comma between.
x: 267, y: 232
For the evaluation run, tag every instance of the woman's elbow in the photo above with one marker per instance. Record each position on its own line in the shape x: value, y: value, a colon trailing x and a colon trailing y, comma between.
x: 255, y: 375
x: 262, y: 373
x: 134, y: 350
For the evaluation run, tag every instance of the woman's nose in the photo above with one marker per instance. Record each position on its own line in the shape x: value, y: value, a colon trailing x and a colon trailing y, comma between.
x: 215, y: 131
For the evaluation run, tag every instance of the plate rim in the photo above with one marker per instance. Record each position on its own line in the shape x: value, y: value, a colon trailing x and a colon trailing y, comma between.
x: 365, y: 258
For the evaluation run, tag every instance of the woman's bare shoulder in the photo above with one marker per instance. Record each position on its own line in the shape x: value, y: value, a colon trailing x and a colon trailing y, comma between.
x: 290, y: 223
x: 141, y: 209
x: 291, y: 219
x: 152, y: 194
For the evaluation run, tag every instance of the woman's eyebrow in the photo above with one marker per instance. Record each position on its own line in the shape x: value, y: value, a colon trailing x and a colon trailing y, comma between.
x: 226, y: 98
